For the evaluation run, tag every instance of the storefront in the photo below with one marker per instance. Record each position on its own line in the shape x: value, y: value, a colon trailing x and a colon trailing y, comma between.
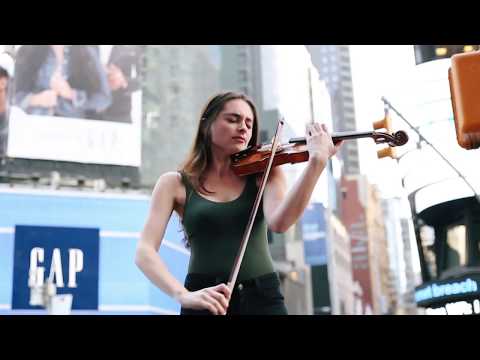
x: 450, y: 238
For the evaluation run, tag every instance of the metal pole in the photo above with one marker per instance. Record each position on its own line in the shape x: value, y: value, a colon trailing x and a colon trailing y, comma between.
x: 426, y: 275
x: 422, y: 138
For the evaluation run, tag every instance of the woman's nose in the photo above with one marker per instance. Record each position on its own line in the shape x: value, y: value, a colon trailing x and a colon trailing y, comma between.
x: 242, y: 126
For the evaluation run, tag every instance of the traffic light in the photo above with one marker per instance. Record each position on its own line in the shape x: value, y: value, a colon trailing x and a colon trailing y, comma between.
x: 388, y: 151
x: 464, y: 79
x: 385, y: 123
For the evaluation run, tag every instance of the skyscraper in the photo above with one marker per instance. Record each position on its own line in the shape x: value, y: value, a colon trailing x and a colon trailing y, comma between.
x: 333, y: 65
x: 179, y: 79
x: 242, y: 70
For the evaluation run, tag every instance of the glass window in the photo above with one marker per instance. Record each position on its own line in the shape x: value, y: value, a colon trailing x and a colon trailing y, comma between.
x: 455, y: 252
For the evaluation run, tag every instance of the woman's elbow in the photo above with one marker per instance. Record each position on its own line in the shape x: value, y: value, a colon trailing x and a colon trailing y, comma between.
x: 141, y: 256
x: 138, y: 259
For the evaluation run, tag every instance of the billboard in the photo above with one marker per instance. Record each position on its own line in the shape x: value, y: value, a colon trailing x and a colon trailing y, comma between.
x: 66, y: 256
x: 441, y: 292
x: 77, y: 103
x: 6, y: 74
x: 314, y: 230
x: 85, y: 241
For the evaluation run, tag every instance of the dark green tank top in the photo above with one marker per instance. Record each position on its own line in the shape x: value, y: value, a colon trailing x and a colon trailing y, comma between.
x: 215, y: 230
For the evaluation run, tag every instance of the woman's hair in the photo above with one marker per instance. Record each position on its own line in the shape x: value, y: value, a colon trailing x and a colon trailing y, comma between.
x: 84, y: 73
x: 200, y: 155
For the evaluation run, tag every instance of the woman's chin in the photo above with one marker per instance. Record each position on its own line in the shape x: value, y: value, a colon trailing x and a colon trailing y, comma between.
x: 238, y: 148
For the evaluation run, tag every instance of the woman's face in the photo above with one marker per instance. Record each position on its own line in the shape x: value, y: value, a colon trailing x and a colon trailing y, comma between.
x: 231, y: 131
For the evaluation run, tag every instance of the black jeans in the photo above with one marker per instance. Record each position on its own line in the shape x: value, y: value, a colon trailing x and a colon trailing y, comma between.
x: 257, y: 296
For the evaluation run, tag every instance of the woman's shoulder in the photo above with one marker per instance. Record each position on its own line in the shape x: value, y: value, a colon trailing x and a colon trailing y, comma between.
x: 171, y: 179
x: 169, y: 184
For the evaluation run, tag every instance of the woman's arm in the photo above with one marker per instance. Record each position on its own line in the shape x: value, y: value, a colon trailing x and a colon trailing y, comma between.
x: 44, y: 99
x: 147, y: 257
x: 149, y: 261
x: 283, y: 210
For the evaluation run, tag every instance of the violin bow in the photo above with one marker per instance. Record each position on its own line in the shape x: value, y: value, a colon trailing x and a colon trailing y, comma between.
x: 243, y: 245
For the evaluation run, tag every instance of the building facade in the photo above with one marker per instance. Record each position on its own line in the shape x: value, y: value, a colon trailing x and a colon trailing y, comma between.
x: 363, y: 219
x: 400, y: 244
x: 179, y: 80
x: 444, y: 206
x: 333, y: 65
x: 84, y: 241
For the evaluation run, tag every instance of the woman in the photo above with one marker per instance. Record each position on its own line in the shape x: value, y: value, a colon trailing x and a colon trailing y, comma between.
x: 61, y: 80
x: 214, y: 205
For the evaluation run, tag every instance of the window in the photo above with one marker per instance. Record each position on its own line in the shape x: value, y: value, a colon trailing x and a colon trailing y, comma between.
x: 455, y: 251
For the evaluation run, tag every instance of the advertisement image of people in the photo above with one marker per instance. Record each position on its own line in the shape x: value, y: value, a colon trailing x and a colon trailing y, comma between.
x: 60, y: 89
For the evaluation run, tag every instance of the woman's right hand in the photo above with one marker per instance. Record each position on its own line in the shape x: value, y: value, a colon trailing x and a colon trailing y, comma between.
x: 46, y: 98
x: 214, y: 298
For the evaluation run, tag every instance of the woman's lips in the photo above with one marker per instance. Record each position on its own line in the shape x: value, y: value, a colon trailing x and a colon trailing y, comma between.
x: 238, y: 138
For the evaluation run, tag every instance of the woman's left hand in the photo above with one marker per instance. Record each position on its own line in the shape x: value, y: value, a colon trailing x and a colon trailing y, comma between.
x: 319, y: 143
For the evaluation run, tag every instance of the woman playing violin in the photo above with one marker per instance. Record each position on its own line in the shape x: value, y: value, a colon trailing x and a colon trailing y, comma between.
x: 214, y: 204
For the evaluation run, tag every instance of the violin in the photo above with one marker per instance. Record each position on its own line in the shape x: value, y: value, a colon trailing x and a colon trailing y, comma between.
x: 255, y: 159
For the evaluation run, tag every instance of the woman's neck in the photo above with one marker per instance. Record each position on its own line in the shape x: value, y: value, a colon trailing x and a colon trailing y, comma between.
x: 220, y: 166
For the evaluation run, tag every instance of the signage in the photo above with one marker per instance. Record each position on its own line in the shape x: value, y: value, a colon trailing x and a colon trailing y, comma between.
x: 66, y: 256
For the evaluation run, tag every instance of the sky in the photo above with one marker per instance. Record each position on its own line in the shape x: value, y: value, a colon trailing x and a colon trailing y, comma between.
x: 379, y: 70
x: 422, y: 94
x: 382, y: 71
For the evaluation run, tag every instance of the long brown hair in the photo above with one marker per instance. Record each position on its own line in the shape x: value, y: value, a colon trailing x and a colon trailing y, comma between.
x: 200, y: 155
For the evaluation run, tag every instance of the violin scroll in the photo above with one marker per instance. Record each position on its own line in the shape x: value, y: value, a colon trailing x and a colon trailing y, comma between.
x: 398, y: 138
